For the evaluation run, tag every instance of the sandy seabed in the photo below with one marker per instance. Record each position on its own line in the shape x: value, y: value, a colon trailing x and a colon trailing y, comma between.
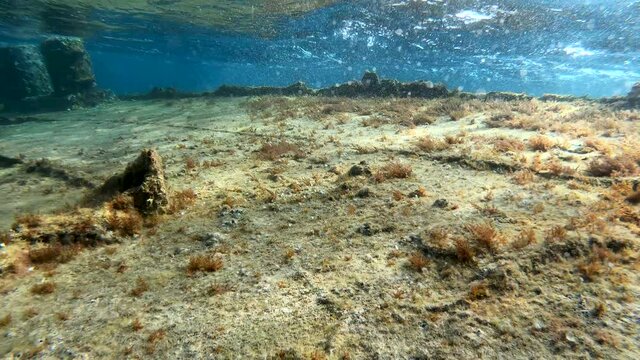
x: 326, y: 228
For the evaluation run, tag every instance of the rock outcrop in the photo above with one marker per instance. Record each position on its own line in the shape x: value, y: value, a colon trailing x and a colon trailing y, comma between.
x: 295, y: 89
x: 370, y: 86
x: 69, y: 65
x: 634, y: 95
x: 144, y: 180
x: 24, y: 73
x: 57, y: 75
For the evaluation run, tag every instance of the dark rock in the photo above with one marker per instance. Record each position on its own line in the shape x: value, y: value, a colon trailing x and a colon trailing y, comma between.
x: 389, y: 88
x: 507, y: 96
x: 24, y: 73
x: 634, y: 95
x: 370, y: 86
x: 45, y: 167
x: 296, y: 89
x: 358, y: 170
x: 617, y: 246
x: 367, y: 230
x: 370, y: 79
x: 163, y: 93
x: 230, y: 212
x: 211, y: 239
x: 90, y: 98
x: 634, y: 198
x: 351, y: 89
x: 144, y: 180
x: 388, y: 229
x: 423, y: 89
x: 363, y: 193
x: 441, y: 203
x: 6, y: 162
x: 69, y: 65
x: 561, y: 98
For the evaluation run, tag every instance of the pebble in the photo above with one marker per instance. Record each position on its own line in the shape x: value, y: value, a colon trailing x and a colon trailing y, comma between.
x: 212, y: 239
x: 363, y: 193
x: 361, y: 169
x: 441, y: 203
x: 571, y: 338
x: 398, y: 317
x: 366, y: 230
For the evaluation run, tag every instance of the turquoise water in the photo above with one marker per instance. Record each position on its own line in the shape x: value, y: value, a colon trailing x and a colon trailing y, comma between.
x: 568, y: 47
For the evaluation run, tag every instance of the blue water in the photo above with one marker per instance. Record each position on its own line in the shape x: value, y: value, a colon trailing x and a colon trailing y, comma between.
x: 568, y: 47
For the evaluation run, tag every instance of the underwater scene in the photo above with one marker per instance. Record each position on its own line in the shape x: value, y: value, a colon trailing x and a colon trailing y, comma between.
x: 319, y: 179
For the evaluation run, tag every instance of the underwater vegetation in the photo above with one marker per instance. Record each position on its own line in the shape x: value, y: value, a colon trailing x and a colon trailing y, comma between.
x: 348, y: 220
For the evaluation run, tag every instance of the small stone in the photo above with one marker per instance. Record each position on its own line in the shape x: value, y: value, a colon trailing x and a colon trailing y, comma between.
x: 230, y: 223
x: 358, y: 170
x: 441, y: 203
x: 211, y: 239
x: 366, y: 230
x: 363, y: 193
x: 322, y: 299
x: 398, y: 317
